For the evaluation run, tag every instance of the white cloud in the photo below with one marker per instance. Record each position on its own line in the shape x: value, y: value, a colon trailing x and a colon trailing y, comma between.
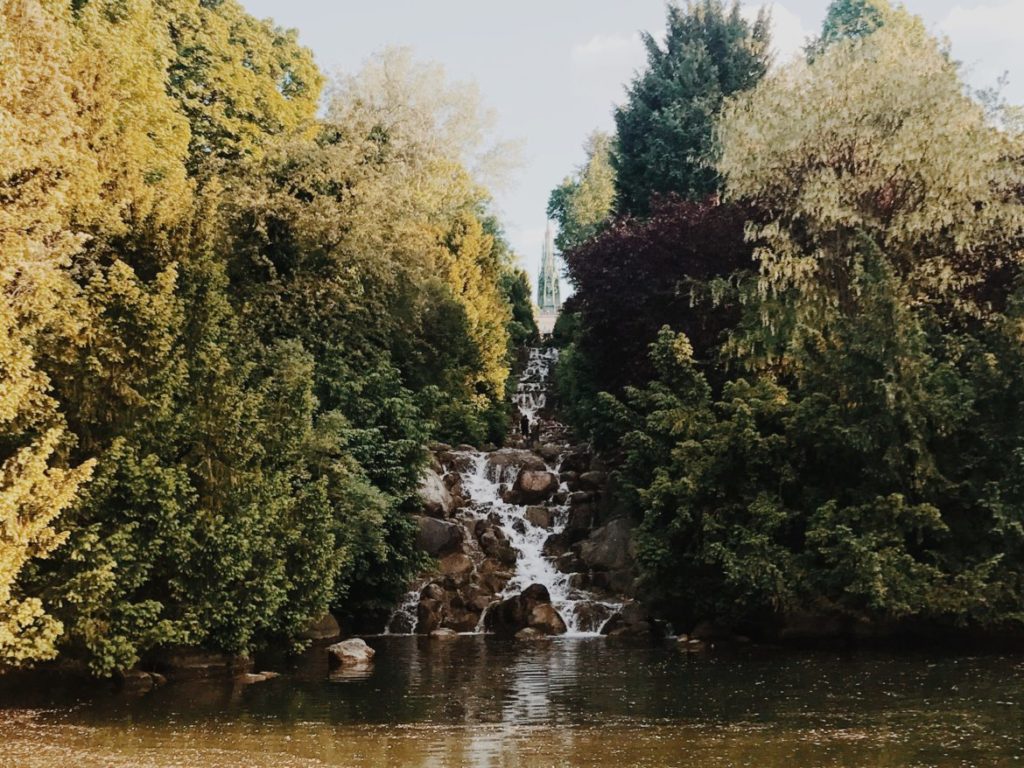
x: 600, y: 50
x: 789, y: 35
x: 988, y: 38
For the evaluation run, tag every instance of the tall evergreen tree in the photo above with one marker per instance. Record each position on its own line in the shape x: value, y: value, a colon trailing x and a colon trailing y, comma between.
x: 665, y: 130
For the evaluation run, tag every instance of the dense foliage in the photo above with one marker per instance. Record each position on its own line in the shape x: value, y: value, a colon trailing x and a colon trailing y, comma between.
x: 582, y: 202
x: 853, y: 448
x: 664, y: 131
x: 679, y: 267
x: 229, y: 327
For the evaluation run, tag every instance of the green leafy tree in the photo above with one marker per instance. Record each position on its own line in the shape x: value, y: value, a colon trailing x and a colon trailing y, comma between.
x: 584, y: 201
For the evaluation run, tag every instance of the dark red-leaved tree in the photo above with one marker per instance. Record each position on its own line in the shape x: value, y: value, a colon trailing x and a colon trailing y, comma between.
x: 641, y: 274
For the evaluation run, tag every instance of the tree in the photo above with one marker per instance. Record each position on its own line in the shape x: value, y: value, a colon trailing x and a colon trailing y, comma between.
x: 41, y: 159
x: 665, y: 130
x: 846, y: 19
x: 583, y: 202
x: 239, y: 81
x: 877, y: 140
x: 676, y: 267
x: 862, y: 460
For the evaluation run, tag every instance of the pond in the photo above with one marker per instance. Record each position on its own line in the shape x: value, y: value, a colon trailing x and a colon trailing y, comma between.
x: 476, y: 701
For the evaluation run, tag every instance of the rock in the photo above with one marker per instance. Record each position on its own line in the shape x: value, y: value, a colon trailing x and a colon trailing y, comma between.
x: 593, y: 481
x: 545, y: 619
x: 436, y: 447
x: 555, y: 545
x: 560, y: 498
x: 465, y: 448
x: 258, y: 677
x: 429, y: 613
x: 457, y: 566
x: 542, y: 517
x: 577, y: 461
x: 579, y: 581
x: 433, y: 591
x: 534, y: 486
x: 434, y: 494
x: 401, y: 623
x: 187, y: 663
x: 711, y: 630
x: 503, y: 466
x: 591, y: 616
x: 438, y: 537
x: 616, y: 582
x: 135, y: 681
x: 462, y: 620
x: 581, y: 498
x: 610, y: 547
x: 531, y: 608
x: 688, y: 644
x: 578, y: 523
x: 352, y: 652
x: 492, y: 576
x: 325, y: 628
x: 444, y: 634
x: 631, y: 620
x: 549, y: 452
x: 569, y: 563
x: 456, y: 462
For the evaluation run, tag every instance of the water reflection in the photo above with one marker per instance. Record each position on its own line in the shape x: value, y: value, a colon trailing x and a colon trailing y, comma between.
x: 587, y: 702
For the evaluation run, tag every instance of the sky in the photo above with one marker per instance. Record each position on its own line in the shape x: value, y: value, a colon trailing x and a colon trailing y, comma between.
x: 552, y: 70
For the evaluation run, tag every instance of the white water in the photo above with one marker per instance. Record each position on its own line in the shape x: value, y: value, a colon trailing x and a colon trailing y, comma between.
x: 484, y: 485
x: 583, y: 612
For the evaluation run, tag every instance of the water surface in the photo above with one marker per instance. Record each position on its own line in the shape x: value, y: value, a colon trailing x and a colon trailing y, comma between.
x: 479, y: 702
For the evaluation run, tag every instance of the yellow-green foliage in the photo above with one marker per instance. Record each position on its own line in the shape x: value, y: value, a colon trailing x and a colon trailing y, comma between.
x: 40, y: 151
x: 137, y: 136
x: 240, y: 81
x: 876, y: 136
x: 467, y: 261
x: 242, y: 322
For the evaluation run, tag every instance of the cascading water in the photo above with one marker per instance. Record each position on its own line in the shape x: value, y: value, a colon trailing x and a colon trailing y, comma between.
x: 583, y: 613
x: 484, y: 484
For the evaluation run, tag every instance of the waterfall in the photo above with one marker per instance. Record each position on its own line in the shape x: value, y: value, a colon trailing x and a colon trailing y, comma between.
x: 532, y: 566
x: 483, y: 484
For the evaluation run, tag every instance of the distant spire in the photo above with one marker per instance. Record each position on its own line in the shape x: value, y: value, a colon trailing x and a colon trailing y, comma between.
x: 548, y: 294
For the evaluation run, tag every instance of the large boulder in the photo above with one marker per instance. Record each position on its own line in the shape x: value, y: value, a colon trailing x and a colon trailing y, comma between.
x: 542, y: 517
x: 609, y: 548
x: 576, y: 461
x: 632, y: 620
x: 352, y: 652
x: 533, y: 486
x: 503, y: 466
x: 555, y: 545
x: 592, y: 481
x: 549, y: 452
x: 429, y: 615
x: 438, y: 537
x: 531, y: 608
x: 578, y: 523
x: 324, y: 628
x: 457, y: 566
x: 434, y: 495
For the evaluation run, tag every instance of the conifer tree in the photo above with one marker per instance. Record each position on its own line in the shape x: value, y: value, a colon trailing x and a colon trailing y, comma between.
x: 665, y: 130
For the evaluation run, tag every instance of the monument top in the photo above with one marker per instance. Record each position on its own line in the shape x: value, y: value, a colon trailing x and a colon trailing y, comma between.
x: 548, y: 293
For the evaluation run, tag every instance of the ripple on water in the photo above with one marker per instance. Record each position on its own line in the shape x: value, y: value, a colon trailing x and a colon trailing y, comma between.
x: 480, y: 703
